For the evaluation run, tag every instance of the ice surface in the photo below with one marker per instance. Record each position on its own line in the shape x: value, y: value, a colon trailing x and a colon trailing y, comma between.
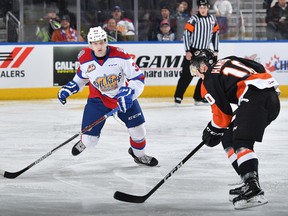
x: 63, y: 185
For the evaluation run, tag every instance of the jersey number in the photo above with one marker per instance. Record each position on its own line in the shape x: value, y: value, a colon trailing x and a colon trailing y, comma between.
x: 240, y: 71
x: 209, y: 98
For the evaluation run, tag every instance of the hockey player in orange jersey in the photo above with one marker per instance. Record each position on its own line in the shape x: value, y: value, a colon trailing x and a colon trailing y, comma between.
x: 246, y: 83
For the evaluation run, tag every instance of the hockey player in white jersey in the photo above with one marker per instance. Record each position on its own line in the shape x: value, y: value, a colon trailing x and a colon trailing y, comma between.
x: 114, y: 80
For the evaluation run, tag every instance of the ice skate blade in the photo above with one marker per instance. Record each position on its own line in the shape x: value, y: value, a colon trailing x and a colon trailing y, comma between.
x: 253, y: 202
x: 231, y: 197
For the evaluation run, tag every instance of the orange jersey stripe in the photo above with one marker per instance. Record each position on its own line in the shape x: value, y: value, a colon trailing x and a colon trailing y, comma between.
x: 243, y: 152
x: 242, y: 85
x: 230, y: 152
x: 219, y: 118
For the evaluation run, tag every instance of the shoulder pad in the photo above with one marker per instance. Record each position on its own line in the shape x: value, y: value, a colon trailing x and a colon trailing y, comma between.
x: 118, y: 52
x: 85, y: 55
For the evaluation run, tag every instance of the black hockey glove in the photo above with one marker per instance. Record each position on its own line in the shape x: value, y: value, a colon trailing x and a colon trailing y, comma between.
x: 212, y: 136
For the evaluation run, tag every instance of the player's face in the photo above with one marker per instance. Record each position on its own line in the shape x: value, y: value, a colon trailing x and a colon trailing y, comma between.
x: 198, y: 70
x: 202, y: 70
x: 99, y: 48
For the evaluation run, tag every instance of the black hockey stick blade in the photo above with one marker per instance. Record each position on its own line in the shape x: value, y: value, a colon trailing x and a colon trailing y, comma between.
x: 129, y: 198
x: 13, y: 175
x: 140, y: 199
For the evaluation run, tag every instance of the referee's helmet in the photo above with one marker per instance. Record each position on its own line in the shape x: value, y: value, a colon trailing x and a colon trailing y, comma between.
x: 203, y: 2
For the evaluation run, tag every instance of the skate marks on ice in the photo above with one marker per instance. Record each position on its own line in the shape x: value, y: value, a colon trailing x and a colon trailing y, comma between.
x: 84, y: 185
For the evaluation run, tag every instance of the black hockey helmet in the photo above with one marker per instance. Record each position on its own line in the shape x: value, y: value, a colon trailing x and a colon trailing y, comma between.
x: 206, y: 56
x: 203, y: 2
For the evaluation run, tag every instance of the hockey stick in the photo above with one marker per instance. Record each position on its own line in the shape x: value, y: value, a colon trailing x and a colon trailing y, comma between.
x: 140, y: 199
x: 12, y: 175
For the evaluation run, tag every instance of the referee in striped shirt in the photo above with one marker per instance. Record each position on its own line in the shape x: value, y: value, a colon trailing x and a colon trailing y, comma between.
x: 200, y: 30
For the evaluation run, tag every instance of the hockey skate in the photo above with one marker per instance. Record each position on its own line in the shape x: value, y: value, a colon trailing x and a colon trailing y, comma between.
x: 236, y: 192
x: 177, y: 101
x: 78, y: 148
x: 144, y: 160
x: 252, y: 196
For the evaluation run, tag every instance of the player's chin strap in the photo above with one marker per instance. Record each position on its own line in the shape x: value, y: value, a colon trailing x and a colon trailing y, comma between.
x: 12, y: 175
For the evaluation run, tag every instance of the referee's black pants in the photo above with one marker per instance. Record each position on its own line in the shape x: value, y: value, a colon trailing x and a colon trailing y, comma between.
x: 185, y: 80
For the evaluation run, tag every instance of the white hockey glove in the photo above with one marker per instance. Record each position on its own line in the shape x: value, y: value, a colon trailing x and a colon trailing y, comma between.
x: 67, y: 90
x: 124, y: 97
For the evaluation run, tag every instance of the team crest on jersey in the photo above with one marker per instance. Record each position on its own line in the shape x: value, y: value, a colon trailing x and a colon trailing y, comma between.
x: 91, y: 68
x: 107, y: 83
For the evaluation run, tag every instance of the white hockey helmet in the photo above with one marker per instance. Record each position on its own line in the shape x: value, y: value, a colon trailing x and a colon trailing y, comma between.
x: 96, y: 34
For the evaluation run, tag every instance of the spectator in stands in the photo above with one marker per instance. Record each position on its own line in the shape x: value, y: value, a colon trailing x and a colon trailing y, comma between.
x: 182, y: 15
x: 155, y: 27
x: 223, y: 9
x: 165, y: 33
x: 124, y: 25
x: 66, y: 33
x: 144, y: 24
x: 273, y: 2
x: 113, y: 34
x: 47, y: 24
x: 5, y: 6
x: 63, y: 10
x: 277, y: 21
x: 187, y: 6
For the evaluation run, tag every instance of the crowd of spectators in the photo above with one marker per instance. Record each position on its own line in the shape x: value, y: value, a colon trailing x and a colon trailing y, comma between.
x: 166, y: 25
x: 117, y: 20
x: 223, y: 11
x: 277, y: 20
